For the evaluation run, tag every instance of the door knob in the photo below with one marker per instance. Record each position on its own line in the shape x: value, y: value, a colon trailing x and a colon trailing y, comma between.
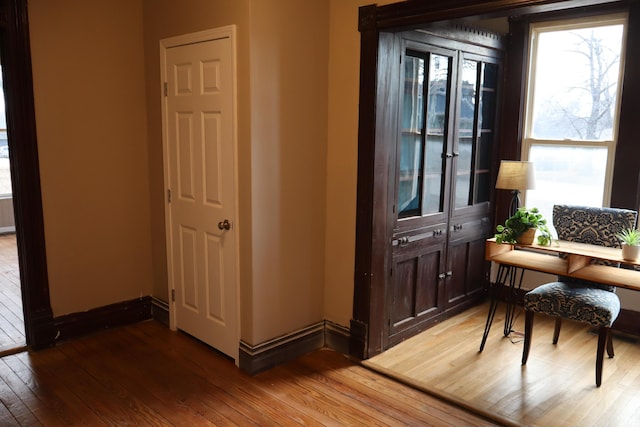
x: 224, y: 225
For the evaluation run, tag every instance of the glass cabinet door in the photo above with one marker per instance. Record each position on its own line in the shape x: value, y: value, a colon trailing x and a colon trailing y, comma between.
x: 423, y: 144
x: 475, y: 132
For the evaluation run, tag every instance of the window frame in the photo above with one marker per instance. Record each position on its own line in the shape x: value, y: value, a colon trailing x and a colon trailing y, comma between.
x: 527, y: 140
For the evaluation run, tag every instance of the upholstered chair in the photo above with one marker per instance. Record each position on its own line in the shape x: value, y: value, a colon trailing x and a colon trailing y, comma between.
x: 579, y: 300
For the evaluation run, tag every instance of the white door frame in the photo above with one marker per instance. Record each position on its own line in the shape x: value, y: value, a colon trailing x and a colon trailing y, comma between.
x: 197, y: 37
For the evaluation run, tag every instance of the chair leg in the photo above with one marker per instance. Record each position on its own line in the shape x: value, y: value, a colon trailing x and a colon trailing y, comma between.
x: 528, y: 330
x: 556, y: 330
x: 610, y: 344
x: 603, y: 334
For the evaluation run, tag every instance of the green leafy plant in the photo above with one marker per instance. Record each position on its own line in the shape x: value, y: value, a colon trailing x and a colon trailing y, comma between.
x: 630, y: 236
x: 521, y: 221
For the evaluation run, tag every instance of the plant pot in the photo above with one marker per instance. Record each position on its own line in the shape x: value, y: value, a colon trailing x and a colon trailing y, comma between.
x: 630, y: 253
x: 527, y: 237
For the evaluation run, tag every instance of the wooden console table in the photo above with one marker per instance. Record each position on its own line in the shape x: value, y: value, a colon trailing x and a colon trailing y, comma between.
x: 561, y: 258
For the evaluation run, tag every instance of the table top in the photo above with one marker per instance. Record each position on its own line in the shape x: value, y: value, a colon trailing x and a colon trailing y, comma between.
x: 569, y: 248
x: 578, y: 261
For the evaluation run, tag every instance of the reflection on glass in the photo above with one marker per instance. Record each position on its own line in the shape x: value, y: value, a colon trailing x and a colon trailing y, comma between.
x: 421, y: 163
x: 438, y: 94
x: 410, y: 164
x: 486, y: 121
x: 466, y: 132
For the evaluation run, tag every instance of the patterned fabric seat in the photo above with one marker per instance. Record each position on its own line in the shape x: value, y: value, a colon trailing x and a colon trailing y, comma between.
x: 594, y: 306
x: 579, y: 300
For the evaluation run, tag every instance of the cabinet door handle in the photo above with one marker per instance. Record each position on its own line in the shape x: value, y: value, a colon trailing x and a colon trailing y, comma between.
x: 442, y: 276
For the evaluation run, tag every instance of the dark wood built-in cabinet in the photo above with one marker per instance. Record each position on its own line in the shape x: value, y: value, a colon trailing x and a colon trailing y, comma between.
x: 440, y: 176
x: 441, y: 102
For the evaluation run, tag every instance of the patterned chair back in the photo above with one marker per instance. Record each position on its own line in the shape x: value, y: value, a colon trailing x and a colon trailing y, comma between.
x: 596, y: 226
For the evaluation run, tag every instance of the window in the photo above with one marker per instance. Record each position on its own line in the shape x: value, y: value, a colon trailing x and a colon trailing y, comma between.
x: 5, y: 174
x: 572, y: 104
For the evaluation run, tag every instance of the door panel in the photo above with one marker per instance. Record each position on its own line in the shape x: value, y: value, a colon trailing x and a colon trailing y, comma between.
x: 201, y: 178
x: 416, y: 290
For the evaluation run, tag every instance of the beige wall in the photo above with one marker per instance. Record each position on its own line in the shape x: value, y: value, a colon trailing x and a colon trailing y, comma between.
x: 97, y: 89
x: 88, y: 73
x: 289, y: 57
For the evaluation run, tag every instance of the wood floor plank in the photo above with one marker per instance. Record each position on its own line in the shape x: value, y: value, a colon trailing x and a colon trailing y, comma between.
x: 404, y: 404
x: 11, y: 314
x: 54, y: 404
x: 249, y: 410
x: 240, y: 384
x: 144, y: 374
x: 555, y: 388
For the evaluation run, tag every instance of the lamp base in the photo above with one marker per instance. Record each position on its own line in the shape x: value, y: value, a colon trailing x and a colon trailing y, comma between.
x: 515, y: 202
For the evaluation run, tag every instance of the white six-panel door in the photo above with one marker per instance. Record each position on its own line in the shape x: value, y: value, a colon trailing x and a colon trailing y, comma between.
x: 201, y: 187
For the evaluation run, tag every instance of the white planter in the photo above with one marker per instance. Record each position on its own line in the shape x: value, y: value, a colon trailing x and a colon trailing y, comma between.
x: 630, y: 253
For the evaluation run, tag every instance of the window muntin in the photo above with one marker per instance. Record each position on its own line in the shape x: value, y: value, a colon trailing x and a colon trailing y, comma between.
x: 573, y: 94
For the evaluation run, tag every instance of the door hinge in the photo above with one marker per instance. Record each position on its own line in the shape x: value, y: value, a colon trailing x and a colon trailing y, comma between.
x: 165, y: 89
x: 173, y: 295
x: 168, y: 195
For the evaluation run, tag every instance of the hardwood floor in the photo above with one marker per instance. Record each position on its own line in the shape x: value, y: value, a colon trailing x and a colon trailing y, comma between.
x: 145, y: 374
x: 555, y: 388
x: 11, y: 316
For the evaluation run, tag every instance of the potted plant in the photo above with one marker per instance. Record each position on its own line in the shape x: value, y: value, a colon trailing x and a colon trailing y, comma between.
x: 630, y: 239
x: 521, y: 228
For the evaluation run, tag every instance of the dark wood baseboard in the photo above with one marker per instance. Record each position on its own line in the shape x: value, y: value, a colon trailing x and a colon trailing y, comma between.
x: 336, y: 337
x: 255, y: 359
x: 78, y: 324
x: 160, y: 311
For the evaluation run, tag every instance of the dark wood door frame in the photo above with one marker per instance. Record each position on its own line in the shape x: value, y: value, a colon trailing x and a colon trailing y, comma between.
x: 377, y: 25
x: 25, y: 176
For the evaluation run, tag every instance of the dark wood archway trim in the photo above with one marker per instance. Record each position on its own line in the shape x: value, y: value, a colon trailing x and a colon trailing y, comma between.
x: 375, y: 24
x: 25, y: 175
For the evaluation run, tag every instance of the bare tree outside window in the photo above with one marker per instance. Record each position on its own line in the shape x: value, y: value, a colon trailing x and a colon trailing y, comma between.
x: 576, y: 84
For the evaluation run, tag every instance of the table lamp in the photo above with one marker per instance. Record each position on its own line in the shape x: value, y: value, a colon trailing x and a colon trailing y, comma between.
x: 515, y: 176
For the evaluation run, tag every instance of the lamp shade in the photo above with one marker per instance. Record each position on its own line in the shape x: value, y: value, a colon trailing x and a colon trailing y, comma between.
x: 515, y: 175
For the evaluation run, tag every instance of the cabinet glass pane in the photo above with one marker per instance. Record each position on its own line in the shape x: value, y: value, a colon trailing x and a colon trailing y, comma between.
x: 437, y: 116
x: 466, y: 132
x: 410, y: 164
x: 486, y: 123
